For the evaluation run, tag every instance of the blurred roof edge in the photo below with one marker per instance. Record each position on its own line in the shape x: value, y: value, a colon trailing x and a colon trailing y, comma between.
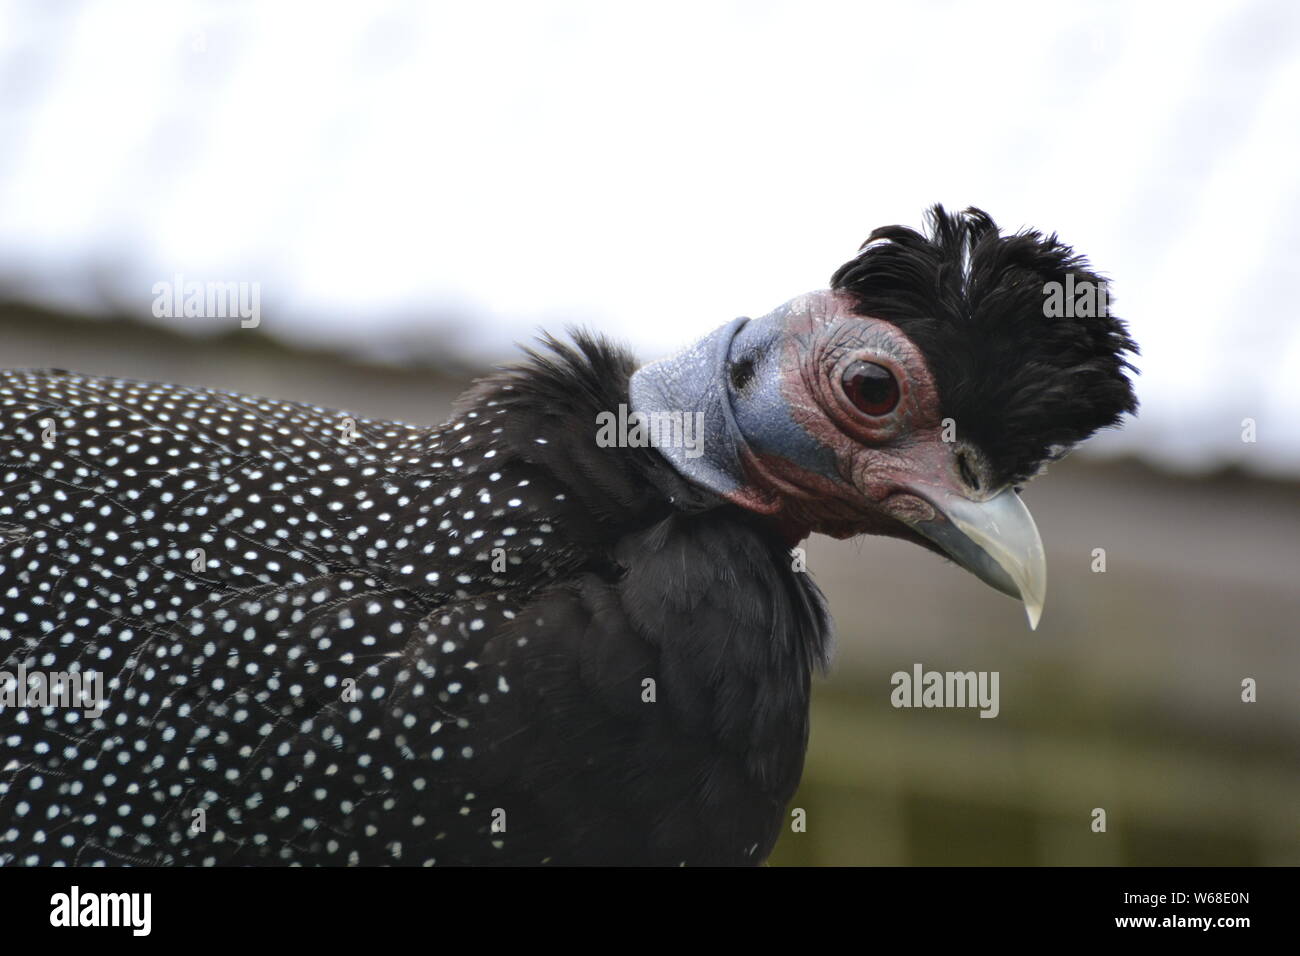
x: 17, y: 313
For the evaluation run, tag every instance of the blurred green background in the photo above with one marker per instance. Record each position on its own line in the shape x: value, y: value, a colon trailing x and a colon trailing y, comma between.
x: 1127, y: 698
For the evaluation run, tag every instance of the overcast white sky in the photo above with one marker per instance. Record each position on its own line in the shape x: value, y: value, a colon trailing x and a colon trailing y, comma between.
x: 449, y: 177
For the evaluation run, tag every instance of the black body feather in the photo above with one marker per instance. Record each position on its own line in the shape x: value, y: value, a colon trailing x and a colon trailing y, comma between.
x: 419, y: 646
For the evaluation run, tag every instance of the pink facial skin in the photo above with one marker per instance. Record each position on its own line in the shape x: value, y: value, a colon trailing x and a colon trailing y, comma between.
x: 880, y: 460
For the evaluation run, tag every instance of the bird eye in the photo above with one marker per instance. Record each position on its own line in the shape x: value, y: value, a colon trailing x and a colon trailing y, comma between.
x: 871, y: 388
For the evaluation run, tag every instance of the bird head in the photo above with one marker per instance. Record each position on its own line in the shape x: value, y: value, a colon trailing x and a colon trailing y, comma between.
x: 939, y: 373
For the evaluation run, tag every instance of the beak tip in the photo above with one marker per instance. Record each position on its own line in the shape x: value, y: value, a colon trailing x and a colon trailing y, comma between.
x: 1035, y: 613
x: 995, y: 539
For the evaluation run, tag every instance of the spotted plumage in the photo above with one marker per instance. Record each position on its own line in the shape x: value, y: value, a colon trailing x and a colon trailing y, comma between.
x: 399, y: 644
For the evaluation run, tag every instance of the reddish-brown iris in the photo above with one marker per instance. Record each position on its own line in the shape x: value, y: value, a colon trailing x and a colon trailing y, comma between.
x: 871, y: 388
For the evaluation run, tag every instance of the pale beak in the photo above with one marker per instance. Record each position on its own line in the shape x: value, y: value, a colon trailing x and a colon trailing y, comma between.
x: 996, y: 540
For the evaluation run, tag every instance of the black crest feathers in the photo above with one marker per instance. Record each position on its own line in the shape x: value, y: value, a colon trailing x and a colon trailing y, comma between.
x: 1022, y: 381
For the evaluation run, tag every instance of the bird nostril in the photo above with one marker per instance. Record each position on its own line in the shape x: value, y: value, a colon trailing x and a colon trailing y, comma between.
x: 967, y: 473
x: 742, y: 373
